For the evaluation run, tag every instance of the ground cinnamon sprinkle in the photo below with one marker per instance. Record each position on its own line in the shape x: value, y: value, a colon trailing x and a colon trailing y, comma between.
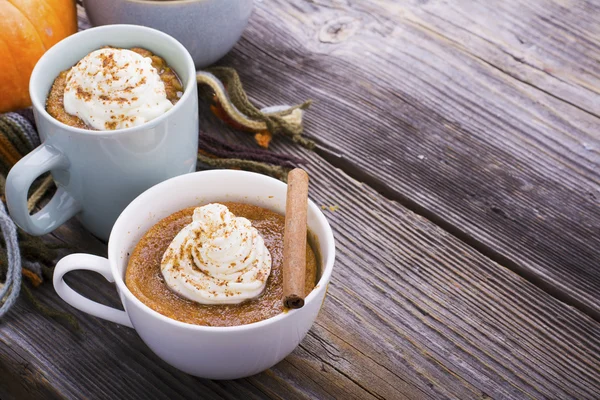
x: 80, y: 93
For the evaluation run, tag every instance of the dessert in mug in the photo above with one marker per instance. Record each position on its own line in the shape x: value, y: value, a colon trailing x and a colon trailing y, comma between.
x: 215, y: 265
x: 113, y: 88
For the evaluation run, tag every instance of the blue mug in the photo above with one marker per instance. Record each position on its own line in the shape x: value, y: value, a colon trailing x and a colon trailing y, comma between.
x: 98, y: 173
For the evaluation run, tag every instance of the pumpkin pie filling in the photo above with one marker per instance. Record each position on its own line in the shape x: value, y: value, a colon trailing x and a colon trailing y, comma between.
x: 55, y: 102
x: 144, y: 274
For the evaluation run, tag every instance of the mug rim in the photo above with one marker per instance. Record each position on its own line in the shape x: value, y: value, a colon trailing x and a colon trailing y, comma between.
x: 166, y: 3
x: 322, y: 284
x: 63, y: 46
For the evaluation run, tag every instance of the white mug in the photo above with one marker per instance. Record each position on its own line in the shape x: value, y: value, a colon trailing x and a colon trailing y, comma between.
x: 204, y: 351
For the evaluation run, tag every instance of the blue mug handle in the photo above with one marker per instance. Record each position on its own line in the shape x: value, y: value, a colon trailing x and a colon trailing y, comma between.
x: 61, y: 207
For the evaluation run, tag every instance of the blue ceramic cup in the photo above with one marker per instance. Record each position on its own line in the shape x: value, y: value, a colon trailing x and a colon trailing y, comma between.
x: 98, y: 173
x: 207, y: 28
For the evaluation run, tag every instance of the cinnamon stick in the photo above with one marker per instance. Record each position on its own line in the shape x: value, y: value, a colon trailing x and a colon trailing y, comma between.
x: 294, y: 239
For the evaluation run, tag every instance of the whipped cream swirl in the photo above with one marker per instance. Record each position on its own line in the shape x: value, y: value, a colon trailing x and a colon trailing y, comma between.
x: 217, y: 259
x: 115, y: 89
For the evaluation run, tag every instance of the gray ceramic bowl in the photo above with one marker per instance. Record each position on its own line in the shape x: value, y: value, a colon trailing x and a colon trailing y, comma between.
x: 207, y: 28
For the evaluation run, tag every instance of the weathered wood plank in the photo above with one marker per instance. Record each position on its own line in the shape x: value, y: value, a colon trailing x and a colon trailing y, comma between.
x: 411, y: 312
x: 20, y: 378
x: 482, y: 116
x: 550, y: 45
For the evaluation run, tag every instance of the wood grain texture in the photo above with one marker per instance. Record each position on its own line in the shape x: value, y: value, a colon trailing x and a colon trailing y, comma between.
x: 411, y: 312
x: 20, y: 378
x: 482, y: 116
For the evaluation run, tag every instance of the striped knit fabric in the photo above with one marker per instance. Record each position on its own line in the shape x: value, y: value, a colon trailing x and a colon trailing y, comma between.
x: 12, y: 285
x: 17, y: 137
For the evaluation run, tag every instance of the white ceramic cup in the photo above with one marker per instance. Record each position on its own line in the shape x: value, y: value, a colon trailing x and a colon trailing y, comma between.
x: 207, y: 352
x: 98, y: 173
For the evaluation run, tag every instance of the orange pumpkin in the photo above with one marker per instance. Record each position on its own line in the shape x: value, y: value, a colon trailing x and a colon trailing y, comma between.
x: 27, y: 30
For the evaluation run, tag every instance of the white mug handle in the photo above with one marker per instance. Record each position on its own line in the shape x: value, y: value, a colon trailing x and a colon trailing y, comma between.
x: 91, y: 263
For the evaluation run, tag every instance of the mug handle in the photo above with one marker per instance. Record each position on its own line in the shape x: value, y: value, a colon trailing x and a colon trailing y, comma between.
x: 61, y: 207
x: 91, y: 263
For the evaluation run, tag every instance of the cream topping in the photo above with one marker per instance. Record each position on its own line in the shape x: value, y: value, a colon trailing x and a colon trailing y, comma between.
x: 115, y: 89
x: 217, y: 259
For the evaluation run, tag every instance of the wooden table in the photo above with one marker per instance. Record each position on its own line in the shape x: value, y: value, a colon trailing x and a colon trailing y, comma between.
x: 460, y: 142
